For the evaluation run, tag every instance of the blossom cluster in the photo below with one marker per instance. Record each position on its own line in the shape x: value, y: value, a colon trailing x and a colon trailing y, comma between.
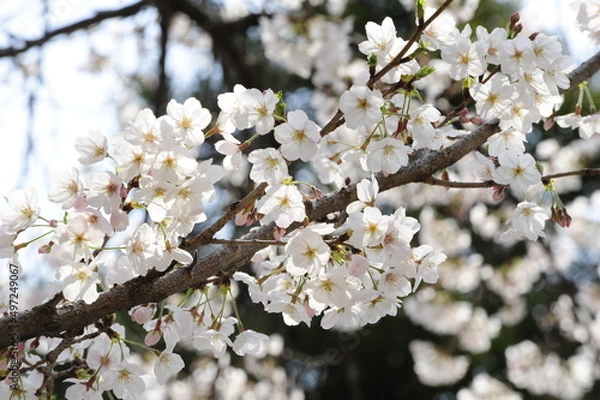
x: 353, y: 279
x: 355, y: 283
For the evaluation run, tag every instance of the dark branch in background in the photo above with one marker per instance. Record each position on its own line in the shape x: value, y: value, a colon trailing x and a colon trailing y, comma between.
x: 161, y: 94
x: 83, y: 24
x: 223, y: 36
x: 50, y: 321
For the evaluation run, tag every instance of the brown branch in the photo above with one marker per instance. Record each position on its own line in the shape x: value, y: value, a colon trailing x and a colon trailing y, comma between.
x: 487, y: 184
x: 83, y: 24
x: 162, y: 88
x: 50, y: 321
x: 580, y: 172
x: 224, y: 36
x: 462, y: 185
x: 243, y: 242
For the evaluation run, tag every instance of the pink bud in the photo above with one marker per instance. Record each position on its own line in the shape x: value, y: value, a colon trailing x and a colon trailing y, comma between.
x: 514, y: 19
x: 560, y: 216
x: 152, y: 337
x: 309, y: 311
x: 142, y: 314
x: 46, y: 248
x: 242, y: 218
x: 548, y: 123
x: 477, y: 120
x: 498, y: 192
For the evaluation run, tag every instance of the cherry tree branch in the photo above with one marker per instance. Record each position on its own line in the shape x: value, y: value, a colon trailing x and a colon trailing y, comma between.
x: 459, y: 185
x: 83, y: 24
x: 160, y: 96
x: 53, y: 318
x: 580, y: 172
x: 487, y: 184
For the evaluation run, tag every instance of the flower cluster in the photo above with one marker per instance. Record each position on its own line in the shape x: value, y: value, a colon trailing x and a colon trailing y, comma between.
x: 587, y: 17
x: 350, y: 283
x: 527, y: 364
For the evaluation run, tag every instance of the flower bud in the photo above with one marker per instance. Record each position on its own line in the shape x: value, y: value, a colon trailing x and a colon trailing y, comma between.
x: 514, y: 19
x: 152, y: 337
x: 560, y: 216
x: 498, y: 192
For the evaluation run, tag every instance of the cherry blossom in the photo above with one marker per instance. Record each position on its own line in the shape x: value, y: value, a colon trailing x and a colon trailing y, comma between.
x: 77, y: 239
x: 517, y: 170
x: 509, y: 140
x: 465, y: 58
x: 125, y: 380
x: 187, y: 120
x: 93, y: 148
x: 145, y: 131
x: 141, y: 249
x: 490, y: 42
x: 167, y: 364
x: 516, y: 54
x: 23, y: 210
x: 268, y: 166
x: 366, y: 190
x: 249, y: 342
x: 387, y: 155
x: 368, y: 227
x: 292, y: 313
x: 529, y: 219
x: 231, y: 149
x: 256, y: 110
x: 299, y: 137
x: 308, y: 252
x: 105, y: 191
x: 361, y: 106
x: 380, y: 38
x: 493, y: 97
x: 68, y: 190
x: 79, y: 282
x: 421, y: 128
x: 281, y: 204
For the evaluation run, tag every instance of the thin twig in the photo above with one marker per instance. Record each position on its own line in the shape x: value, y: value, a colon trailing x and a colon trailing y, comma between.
x: 581, y: 172
x: 487, y: 184
x: 206, y: 235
